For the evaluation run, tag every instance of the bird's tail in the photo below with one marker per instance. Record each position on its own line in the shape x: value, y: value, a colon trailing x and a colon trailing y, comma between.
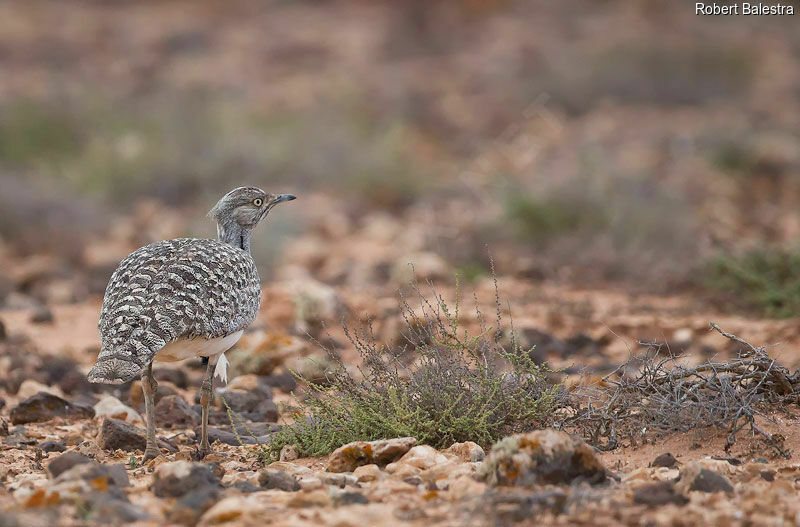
x: 114, y: 368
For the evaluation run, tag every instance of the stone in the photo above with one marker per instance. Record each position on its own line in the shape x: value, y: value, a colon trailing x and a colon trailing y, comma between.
x: 696, y: 477
x: 423, y: 457
x: 285, y: 382
x: 261, y: 353
x: 229, y: 438
x: 176, y: 479
x: 3, y: 331
x: 467, y: 451
x: 349, y: 498
x: 310, y: 498
x: 188, y: 509
x: 115, y: 475
x: 42, y: 315
x: 246, y: 487
x: 110, y: 406
x: 541, y: 457
x: 52, y: 446
x: 658, y: 494
x: 340, y: 480
x: 176, y: 376
x: 382, y: 452
x: 116, y: 434
x: 367, y: 473
x: 31, y: 387
x: 65, y: 462
x: 465, y: 487
x: 172, y: 411
x: 289, y: 453
x: 112, y: 511
x: 240, y: 400
x: 278, y: 479
x: 664, y: 460
x: 45, y: 406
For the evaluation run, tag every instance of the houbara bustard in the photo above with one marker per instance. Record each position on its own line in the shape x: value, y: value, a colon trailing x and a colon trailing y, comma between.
x: 183, y: 298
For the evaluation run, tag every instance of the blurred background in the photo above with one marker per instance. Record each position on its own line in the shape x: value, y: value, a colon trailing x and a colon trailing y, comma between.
x: 624, y: 145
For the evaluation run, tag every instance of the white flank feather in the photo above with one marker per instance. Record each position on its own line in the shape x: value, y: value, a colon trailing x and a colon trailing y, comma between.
x: 221, y: 369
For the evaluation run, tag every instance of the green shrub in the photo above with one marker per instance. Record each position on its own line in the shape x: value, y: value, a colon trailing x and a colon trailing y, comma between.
x: 457, y: 388
x: 766, y: 279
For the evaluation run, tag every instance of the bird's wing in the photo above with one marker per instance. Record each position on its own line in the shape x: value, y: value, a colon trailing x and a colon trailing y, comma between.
x: 184, y: 288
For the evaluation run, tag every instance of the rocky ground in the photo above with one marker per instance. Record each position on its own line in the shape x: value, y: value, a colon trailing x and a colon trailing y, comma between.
x: 71, y: 451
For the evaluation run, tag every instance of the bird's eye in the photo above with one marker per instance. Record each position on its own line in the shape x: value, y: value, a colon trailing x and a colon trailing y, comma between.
x: 257, y: 202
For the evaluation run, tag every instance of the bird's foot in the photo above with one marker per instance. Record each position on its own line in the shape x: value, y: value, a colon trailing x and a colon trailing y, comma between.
x: 150, y: 452
x: 202, y: 451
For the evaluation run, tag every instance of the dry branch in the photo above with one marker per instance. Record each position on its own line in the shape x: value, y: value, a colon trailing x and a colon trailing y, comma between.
x: 667, y: 396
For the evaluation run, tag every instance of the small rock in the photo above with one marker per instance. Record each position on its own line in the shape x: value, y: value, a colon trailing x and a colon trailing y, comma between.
x: 107, y: 510
x: 767, y: 475
x: 285, y: 382
x: 311, y: 498
x: 116, y: 434
x: 31, y: 387
x: 695, y: 477
x: 467, y: 451
x: 3, y: 332
x: 542, y: 456
x: 350, y: 498
x: 367, y: 473
x: 657, y: 494
x: 176, y: 479
x: 229, y: 438
x: 191, y: 506
x: 173, y: 411
x: 289, y: 453
x: 175, y: 376
x: 52, y: 446
x: 346, y: 458
x: 664, y: 460
x: 339, y: 480
x: 45, y: 406
x: 110, y: 406
x: 115, y: 475
x: 42, y: 315
x: 421, y: 457
x: 246, y: 487
x: 278, y: 479
x: 241, y: 401
x: 65, y: 462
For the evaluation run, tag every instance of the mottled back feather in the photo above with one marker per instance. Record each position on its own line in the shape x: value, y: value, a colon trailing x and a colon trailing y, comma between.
x: 183, y: 288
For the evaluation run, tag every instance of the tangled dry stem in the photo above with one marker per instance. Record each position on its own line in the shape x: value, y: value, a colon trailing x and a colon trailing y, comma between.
x: 667, y: 396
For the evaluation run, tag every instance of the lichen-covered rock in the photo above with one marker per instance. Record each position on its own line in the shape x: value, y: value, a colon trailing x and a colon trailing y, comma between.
x: 45, y: 406
x: 382, y: 452
x: 541, y: 457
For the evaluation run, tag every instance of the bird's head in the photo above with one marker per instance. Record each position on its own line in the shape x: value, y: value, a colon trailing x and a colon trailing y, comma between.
x: 240, y: 210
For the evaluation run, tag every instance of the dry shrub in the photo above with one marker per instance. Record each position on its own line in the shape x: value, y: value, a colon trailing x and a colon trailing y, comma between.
x: 666, y: 396
x: 457, y: 387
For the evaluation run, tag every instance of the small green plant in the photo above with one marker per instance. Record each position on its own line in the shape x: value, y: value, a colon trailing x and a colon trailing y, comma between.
x: 455, y: 387
x: 765, y: 279
x: 132, y: 462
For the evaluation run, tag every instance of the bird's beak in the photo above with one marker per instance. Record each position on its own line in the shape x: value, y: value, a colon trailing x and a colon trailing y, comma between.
x: 284, y: 197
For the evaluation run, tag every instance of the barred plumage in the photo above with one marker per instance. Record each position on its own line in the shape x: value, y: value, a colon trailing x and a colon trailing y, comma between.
x: 183, y: 298
x: 184, y: 288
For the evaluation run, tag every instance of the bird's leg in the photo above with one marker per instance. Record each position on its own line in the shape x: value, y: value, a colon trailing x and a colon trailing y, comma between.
x: 149, y: 386
x: 205, y: 399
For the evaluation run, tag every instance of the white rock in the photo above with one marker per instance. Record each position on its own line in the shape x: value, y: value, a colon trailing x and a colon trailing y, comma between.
x: 110, y: 406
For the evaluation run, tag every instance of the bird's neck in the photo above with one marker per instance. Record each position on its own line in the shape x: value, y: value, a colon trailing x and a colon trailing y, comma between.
x: 235, y: 235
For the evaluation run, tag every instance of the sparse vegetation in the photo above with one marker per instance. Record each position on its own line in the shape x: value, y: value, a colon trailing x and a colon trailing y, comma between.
x: 458, y: 387
x: 763, y: 279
